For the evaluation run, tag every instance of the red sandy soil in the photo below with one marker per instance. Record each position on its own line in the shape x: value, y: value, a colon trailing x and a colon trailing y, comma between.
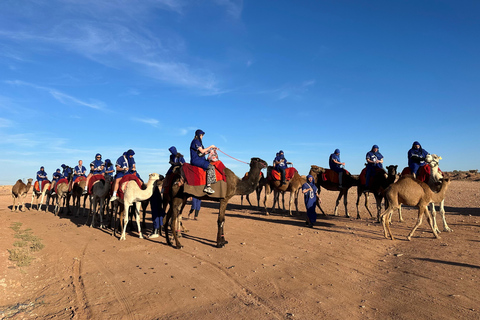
x: 272, y: 268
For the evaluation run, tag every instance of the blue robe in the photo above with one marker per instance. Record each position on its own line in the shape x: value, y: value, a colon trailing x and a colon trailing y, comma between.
x: 97, y: 164
x: 195, y: 158
x: 310, y: 198
x: 416, y: 158
x: 335, y: 166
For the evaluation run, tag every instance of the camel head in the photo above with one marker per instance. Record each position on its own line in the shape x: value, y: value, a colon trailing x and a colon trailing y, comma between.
x: 392, y: 170
x: 258, y: 162
x: 29, y: 180
x: 433, y: 160
x: 316, y: 169
x: 153, y: 176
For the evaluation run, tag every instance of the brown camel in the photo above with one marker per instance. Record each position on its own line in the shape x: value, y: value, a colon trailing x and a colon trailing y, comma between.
x: 293, y: 186
x: 411, y: 192
x: 261, y: 184
x: 36, y: 195
x: 19, y: 191
x: 378, y: 184
x: 348, y: 181
x: 235, y: 186
x: 133, y: 194
x: 77, y: 194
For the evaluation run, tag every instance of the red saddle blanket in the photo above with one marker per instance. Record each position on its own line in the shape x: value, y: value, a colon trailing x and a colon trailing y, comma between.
x: 245, y: 177
x: 289, y: 173
x: 363, y: 176
x: 123, y: 184
x: 63, y: 180
x: 196, y: 176
x: 44, y: 182
x: 423, y: 173
x: 93, y: 179
x: 332, y: 176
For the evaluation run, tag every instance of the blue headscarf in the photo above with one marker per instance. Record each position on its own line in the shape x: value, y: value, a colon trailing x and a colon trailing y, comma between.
x: 199, y: 132
x: 374, y: 146
x: 130, y: 152
x: 173, y: 150
x: 337, y: 151
x: 313, y: 180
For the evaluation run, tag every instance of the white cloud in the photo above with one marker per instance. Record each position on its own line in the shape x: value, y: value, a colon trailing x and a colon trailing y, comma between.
x: 5, y: 123
x: 150, y: 121
x: 60, y: 96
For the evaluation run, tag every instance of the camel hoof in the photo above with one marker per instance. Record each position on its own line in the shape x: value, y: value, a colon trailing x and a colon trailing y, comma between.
x: 178, y: 246
x: 140, y: 236
x: 409, y: 238
x: 447, y: 230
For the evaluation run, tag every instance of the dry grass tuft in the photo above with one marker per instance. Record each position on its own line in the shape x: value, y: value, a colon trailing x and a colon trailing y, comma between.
x: 27, y: 244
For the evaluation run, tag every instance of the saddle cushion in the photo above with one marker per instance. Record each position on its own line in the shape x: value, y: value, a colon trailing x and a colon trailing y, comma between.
x: 289, y: 173
x: 363, y: 176
x: 331, y: 176
x: 423, y: 173
x: 44, y: 182
x: 63, y: 180
x: 123, y: 184
x: 94, y: 179
x: 195, y: 176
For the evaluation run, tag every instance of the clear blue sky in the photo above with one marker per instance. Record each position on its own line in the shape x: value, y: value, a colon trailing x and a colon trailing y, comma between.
x: 79, y: 77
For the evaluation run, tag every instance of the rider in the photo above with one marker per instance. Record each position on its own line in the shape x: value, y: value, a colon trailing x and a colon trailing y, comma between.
x: 176, y: 159
x: 41, y: 176
x: 416, y: 157
x: 336, y: 165
x: 125, y: 164
x: 97, y: 166
x: 57, y: 175
x: 374, y: 160
x: 109, y: 168
x: 197, y: 158
x: 280, y: 164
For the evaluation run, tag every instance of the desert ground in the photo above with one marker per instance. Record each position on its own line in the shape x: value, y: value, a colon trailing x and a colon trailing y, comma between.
x: 272, y: 268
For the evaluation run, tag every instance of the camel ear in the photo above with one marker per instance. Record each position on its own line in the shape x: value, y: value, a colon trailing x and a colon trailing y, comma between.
x: 439, y: 158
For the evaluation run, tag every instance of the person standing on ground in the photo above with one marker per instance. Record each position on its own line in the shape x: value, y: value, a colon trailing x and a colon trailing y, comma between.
x: 196, y: 205
x: 310, y: 194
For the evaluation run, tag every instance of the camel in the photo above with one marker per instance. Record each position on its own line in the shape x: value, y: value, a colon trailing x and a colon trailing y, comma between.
x: 133, y: 194
x: 100, y: 191
x: 261, y: 184
x: 348, y: 181
x: 19, y: 191
x: 293, y: 186
x: 379, y: 183
x: 62, y: 191
x: 434, y: 183
x: 77, y: 193
x: 36, y: 195
x: 235, y: 186
x: 412, y: 192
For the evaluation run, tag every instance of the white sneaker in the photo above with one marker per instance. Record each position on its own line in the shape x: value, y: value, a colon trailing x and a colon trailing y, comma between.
x: 208, y: 190
x: 113, y: 198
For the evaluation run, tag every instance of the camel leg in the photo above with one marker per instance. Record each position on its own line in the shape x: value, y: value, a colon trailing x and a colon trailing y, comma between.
x: 248, y: 199
x: 258, y: 197
x: 421, y: 211
x: 100, y: 212
x: 93, y: 212
x: 137, y: 218
x: 265, y: 199
x: 430, y: 221
x: 14, y: 207
x: 386, y: 224
x: 166, y: 225
x: 442, y: 212
x: 220, y: 223
x: 400, y: 218
x: 41, y: 201
x: 290, y: 203
x: 126, y: 206
x: 378, y: 200
x: 296, y: 200
x: 176, y: 209
x: 345, y: 202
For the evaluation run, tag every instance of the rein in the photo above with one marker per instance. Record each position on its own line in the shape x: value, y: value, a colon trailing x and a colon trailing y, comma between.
x: 232, y: 157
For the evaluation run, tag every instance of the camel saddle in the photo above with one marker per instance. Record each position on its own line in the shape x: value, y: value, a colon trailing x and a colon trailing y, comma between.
x: 94, y: 179
x: 63, y: 180
x: 289, y: 173
x: 363, y: 176
x: 423, y: 173
x: 245, y: 177
x: 44, y: 182
x: 123, y: 183
x: 196, y: 179
x: 332, y: 176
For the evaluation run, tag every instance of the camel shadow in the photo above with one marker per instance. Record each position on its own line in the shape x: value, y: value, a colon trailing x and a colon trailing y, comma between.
x: 463, y: 211
x: 451, y: 263
x: 204, y: 241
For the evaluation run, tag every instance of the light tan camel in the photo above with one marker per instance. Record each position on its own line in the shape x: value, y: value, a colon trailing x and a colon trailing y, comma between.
x: 19, y: 192
x: 378, y: 184
x: 411, y: 192
x: 434, y: 182
x: 293, y: 186
x: 348, y: 181
x: 36, y: 195
x: 62, y: 191
x: 235, y: 186
x: 133, y: 194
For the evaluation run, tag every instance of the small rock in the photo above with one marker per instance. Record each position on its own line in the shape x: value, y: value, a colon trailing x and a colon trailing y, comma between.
x: 398, y: 254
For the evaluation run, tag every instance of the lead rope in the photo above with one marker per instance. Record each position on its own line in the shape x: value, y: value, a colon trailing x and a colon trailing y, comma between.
x: 232, y: 157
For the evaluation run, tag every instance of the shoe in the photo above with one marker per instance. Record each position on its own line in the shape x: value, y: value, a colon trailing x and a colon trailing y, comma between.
x: 154, y: 234
x: 84, y: 192
x: 340, y: 187
x: 53, y: 193
x: 208, y: 190
x: 113, y: 198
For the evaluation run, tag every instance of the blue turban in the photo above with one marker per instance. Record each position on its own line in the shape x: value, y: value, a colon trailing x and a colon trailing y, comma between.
x: 63, y: 166
x: 337, y: 151
x: 130, y: 152
x: 375, y: 146
x: 98, y: 154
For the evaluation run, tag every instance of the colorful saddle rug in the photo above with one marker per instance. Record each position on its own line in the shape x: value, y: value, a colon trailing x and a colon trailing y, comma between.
x: 363, y: 176
x: 331, y: 176
x: 63, y: 180
x: 245, y: 177
x: 94, y: 179
x: 195, y: 176
x: 423, y: 173
x: 44, y: 182
x: 289, y: 173
x: 77, y: 181
x: 123, y: 184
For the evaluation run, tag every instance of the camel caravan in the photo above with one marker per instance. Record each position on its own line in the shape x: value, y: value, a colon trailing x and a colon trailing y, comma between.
x: 117, y: 193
